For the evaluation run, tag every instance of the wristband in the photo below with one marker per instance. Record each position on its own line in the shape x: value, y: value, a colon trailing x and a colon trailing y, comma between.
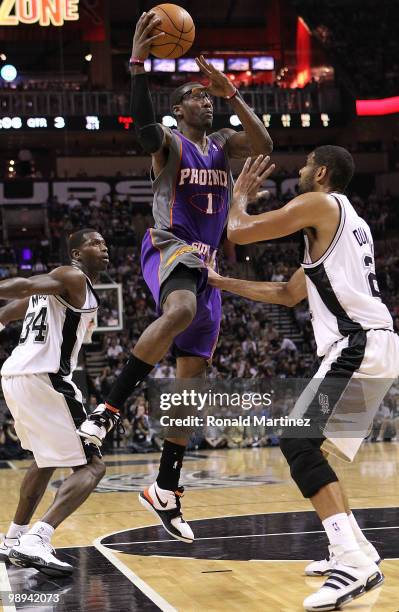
x: 2, y: 326
x: 136, y: 61
x: 233, y: 95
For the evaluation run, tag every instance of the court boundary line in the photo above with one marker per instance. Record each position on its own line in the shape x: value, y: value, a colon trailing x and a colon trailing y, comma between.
x: 235, y: 516
x: 138, y: 582
x: 207, y: 518
x: 5, y: 586
x: 229, y: 537
x: 248, y: 535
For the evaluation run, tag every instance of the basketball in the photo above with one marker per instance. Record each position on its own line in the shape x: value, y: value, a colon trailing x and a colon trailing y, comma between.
x: 179, y: 30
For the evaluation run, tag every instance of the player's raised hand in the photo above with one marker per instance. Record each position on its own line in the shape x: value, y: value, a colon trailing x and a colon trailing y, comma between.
x: 219, y: 84
x: 142, y: 39
x: 252, y: 176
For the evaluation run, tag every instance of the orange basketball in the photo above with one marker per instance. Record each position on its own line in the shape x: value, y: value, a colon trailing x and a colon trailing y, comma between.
x: 179, y: 31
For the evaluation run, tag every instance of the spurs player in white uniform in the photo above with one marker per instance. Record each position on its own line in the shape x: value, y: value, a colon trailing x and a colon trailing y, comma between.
x: 58, y: 311
x: 355, y: 339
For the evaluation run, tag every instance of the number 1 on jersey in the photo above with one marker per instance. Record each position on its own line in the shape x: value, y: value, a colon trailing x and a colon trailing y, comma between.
x: 209, y: 210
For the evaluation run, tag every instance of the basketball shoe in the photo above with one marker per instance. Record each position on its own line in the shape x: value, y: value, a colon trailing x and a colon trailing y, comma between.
x: 352, y: 575
x: 98, y: 424
x: 5, y: 546
x: 35, y: 551
x: 166, y: 506
x: 325, y: 566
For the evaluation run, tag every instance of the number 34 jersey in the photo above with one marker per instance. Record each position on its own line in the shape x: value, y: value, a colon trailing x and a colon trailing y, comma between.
x: 52, y: 334
x: 342, y: 285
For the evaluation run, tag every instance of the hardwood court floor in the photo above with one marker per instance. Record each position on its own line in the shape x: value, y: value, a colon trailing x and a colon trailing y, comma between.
x: 253, y: 560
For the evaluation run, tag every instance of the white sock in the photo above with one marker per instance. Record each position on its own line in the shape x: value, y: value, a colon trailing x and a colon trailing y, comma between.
x: 359, y: 535
x: 339, y: 531
x: 44, y: 530
x: 14, y: 530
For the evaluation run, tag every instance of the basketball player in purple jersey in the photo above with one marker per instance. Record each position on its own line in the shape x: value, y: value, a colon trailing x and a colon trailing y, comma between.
x: 192, y: 186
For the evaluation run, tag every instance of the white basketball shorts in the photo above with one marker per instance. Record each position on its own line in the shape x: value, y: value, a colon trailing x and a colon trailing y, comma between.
x: 344, y: 395
x: 47, y: 409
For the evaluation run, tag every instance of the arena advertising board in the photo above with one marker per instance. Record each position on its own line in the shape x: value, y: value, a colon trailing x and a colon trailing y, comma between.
x: 30, y: 192
x: 22, y: 20
x: 41, y: 12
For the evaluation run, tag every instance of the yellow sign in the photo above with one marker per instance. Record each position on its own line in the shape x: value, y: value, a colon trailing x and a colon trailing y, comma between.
x: 43, y: 12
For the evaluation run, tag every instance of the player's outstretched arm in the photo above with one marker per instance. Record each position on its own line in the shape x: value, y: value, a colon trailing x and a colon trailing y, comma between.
x: 65, y: 281
x: 153, y: 137
x: 288, y: 293
x: 255, y: 138
x: 13, y: 311
x: 301, y: 212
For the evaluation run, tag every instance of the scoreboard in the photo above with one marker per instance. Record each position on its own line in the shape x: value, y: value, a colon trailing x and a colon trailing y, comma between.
x: 125, y: 123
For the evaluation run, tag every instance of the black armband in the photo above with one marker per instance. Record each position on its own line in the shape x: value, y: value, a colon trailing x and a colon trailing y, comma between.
x: 149, y: 132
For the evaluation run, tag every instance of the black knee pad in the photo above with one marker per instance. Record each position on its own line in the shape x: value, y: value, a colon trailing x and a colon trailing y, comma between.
x: 309, y: 468
x: 182, y: 277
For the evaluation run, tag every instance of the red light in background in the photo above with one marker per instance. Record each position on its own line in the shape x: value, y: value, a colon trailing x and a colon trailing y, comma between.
x: 385, y: 106
x: 125, y: 121
x: 303, y: 53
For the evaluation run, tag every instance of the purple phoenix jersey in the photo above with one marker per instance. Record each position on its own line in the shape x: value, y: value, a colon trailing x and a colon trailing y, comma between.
x: 200, y: 203
x: 192, y: 196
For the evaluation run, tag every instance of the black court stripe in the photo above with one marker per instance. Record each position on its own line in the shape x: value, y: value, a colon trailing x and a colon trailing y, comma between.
x: 96, y: 585
x: 69, y: 337
x: 319, y: 278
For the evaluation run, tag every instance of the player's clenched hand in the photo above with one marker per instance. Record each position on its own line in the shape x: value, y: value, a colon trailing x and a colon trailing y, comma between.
x: 252, y: 176
x: 219, y: 84
x: 142, y: 39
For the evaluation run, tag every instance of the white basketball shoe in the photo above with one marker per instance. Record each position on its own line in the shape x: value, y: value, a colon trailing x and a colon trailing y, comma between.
x: 166, y: 506
x: 324, y: 567
x: 352, y: 575
x: 34, y: 551
x: 5, y: 546
x: 98, y: 424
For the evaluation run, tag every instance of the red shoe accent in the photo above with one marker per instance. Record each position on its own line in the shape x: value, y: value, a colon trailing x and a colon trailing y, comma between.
x: 148, y: 496
x: 111, y: 408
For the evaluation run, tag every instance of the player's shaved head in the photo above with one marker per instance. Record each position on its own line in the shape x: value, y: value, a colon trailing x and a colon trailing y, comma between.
x: 78, y: 238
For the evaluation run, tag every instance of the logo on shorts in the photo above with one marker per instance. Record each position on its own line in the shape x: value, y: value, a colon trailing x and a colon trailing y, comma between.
x: 181, y: 251
x: 324, y: 403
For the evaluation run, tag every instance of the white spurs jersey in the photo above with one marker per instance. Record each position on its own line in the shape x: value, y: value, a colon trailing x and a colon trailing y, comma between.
x: 342, y: 285
x: 52, y: 335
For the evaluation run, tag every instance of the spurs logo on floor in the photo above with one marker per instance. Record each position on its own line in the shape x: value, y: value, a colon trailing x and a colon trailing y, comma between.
x: 202, y: 479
